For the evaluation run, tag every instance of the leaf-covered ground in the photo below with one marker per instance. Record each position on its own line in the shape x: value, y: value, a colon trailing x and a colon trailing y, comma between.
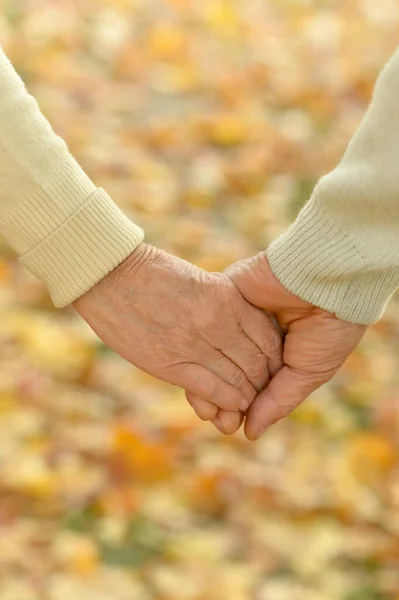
x: 209, y: 121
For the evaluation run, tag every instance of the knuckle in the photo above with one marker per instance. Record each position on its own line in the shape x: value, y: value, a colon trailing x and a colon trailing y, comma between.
x: 274, y: 343
x: 207, y: 388
x: 259, y: 367
x: 238, y: 379
x: 199, y: 383
x: 284, y: 408
x: 311, y: 380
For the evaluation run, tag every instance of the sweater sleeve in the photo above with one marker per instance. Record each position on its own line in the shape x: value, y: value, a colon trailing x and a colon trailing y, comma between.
x: 67, y: 232
x: 342, y: 252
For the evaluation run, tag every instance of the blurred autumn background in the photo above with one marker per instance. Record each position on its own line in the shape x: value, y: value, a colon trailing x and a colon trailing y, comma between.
x: 209, y: 121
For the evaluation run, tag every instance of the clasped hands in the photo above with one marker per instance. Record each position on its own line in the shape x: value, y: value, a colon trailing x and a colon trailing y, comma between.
x: 209, y: 334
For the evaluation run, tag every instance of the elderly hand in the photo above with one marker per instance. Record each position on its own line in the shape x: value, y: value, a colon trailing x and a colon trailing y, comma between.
x: 316, y: 344
x: 185, y: 326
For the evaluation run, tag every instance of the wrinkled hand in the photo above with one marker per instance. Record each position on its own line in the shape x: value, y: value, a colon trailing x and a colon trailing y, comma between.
x: 316, y: 345
x: 187, y: 327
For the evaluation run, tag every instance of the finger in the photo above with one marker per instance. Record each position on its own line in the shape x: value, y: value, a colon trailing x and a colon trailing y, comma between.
x: 228, y: 371
x: 204, y: 410
x: 228, y: 422
x: 267, y: 335
x: 201, y: 382
x: 285, y: 392
x: 246, y: 355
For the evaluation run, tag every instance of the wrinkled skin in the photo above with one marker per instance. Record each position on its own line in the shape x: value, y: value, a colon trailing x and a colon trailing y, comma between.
x: 316, y: 344
x: 187, y: 327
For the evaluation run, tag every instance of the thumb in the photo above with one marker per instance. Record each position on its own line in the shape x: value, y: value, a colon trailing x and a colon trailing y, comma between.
x: 315, y: 347
x: 285, y: 392
x: 251, y: 277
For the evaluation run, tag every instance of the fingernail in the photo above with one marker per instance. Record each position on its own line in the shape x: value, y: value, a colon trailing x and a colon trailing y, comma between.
x: 260, y: 432
x: 218, y: 424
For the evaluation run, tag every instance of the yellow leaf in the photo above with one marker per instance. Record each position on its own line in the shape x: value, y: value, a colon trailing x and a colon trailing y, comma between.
x: 148, y: 461
x: 78, y: 553
x: 371, y: 456
x: 228, y: 129
x: 166, y: 41
x: 223, y: 17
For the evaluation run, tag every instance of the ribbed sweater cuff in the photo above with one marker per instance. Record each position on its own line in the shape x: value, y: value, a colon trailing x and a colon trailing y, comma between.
x: 71, y: 235
x: 319, y: 262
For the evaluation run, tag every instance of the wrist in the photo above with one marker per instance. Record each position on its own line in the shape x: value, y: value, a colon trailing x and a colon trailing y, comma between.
x: 331, y: 267
x: 136, y: 266
x: 135, y: 263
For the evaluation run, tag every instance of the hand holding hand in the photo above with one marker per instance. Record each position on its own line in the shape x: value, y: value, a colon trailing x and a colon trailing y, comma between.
x: 316, y: 343
x: 185, y: 326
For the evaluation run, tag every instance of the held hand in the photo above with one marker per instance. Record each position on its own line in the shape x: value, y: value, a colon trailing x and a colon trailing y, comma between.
x: 316, y: 344
x: 185, y: 326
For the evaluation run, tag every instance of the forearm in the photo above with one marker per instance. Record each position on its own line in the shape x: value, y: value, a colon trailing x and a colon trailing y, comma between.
x: 67, y: 232
x: 342, y: 253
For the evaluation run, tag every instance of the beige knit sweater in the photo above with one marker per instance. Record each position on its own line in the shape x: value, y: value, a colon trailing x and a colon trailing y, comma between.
x: 341, y: 254
x: 67, y: 232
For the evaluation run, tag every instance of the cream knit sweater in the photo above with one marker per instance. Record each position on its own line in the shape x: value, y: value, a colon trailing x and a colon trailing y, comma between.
x: 67, y: 232
x: 341, y: 254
